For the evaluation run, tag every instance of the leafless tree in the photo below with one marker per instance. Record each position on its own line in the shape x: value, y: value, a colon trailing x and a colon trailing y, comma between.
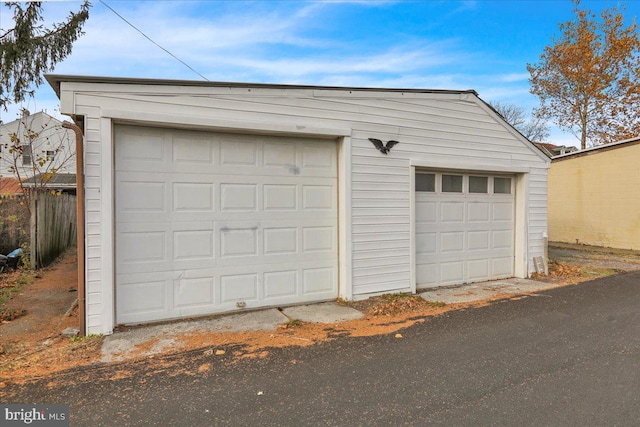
x: 534, y: 129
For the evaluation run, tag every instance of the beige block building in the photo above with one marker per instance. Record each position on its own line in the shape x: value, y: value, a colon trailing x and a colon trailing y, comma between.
x: 594, y: 196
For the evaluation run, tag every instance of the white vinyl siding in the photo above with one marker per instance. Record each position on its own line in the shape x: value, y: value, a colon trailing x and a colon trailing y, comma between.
x: 452, y: 129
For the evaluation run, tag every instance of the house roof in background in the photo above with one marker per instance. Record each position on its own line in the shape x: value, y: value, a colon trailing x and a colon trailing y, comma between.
x: 10, y: 186
x: 552, y: 150
x: 598, y: 149
x: 30, y: 117
x: 545, y: 148
x: 57, y: 180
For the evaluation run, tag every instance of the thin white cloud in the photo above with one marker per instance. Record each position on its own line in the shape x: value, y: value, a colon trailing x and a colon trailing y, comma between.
x: 398, y: 60
x: 275, y: 46
x: 513, y: 77
x: 464, y: 6
x: 502, y: 92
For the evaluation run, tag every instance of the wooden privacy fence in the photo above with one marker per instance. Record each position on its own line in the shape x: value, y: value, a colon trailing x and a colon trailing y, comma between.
x: 53, y: 226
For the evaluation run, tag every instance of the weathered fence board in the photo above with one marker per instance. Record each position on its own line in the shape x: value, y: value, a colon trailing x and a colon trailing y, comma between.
x: 53, y: 226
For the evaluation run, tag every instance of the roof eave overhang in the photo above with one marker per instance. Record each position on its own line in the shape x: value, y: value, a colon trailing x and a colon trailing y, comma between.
x: 55, y: 81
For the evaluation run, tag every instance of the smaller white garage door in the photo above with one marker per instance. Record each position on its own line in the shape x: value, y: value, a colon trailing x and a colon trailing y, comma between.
x: 209, y: 222
x: 464, y: 228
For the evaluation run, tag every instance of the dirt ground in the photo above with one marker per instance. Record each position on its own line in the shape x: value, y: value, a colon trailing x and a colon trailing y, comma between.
x: 594, y: 257
x: 52, y: 292
x: 31, y: 346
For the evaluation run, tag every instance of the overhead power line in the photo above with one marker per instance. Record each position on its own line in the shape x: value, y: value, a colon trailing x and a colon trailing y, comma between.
x: 151, y: 40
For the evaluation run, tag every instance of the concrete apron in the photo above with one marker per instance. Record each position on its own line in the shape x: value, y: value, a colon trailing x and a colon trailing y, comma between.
x: 121, y: 345
x: 484, y: 290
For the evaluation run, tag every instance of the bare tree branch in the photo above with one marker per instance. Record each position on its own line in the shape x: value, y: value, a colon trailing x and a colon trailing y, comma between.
x: 534, y: 129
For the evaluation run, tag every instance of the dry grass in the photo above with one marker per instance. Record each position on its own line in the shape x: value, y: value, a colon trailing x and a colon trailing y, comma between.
x: 11, y: 283
x: 567, y: 273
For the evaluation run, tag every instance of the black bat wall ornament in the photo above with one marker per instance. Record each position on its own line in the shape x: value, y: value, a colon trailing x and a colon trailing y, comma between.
x: 384, y: 149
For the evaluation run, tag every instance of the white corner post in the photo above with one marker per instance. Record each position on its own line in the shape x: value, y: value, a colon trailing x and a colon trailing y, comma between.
x: 345, y: 249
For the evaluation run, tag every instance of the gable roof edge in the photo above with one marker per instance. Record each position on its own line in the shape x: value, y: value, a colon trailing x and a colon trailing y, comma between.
x: 492, y: 111
x: 55, y: 80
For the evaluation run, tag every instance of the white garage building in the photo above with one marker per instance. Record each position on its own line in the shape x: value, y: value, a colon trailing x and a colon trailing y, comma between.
x: 208, y: 197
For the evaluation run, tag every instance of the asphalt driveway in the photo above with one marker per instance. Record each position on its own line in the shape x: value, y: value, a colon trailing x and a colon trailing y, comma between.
x: 569, y: 356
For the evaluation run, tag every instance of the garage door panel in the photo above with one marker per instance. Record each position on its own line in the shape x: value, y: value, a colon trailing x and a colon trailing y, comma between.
x: 279, y: 284
x: 318, y: 156
x: 238, y: 197
x: 182, y: 245
x: 280, y: 197
x: 238, y: 152
x: 478, y: 212
x: 280, y: 155
x: 142, y: 247
x: 427, y: 272
x: 478, y: 269
x: 318, y: 280
x: 502, y: 239
x: 318, y: 239
x: 503, y: 211
x: 146, y: 145
x: 281, y: 241
x: 451, y: 212
x: 194, y: 292
x: 143, y: 300
x: 236, y: 242
x: 216, y: 219
x: 194, y: 150
x: 142, y: 197
x: 451, y: 272
x: 318, y: 197
x: 193, y: 197
x: 452, y: 241
x: 193, y: 245
x: 239, y: 287
x: 478, y: 240
x: 502, y: 267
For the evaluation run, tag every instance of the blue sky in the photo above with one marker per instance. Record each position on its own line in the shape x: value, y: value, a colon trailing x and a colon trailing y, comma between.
x: 481, y: 45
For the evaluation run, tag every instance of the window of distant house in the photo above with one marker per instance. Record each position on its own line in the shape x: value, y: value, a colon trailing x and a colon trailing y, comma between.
x: 478, y: 184
x: 50, y: 156
x: 426, y: 182
x: 502, y: 185
x: 452, y: 183
x: 27, y: 158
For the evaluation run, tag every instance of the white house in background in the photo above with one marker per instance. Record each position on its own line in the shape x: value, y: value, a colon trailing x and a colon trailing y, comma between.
x: 208, y: 197
x: 45, y: 147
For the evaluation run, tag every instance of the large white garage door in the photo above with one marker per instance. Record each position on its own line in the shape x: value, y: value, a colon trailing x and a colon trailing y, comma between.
x: 464, y: 228
x: 209, y: 222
